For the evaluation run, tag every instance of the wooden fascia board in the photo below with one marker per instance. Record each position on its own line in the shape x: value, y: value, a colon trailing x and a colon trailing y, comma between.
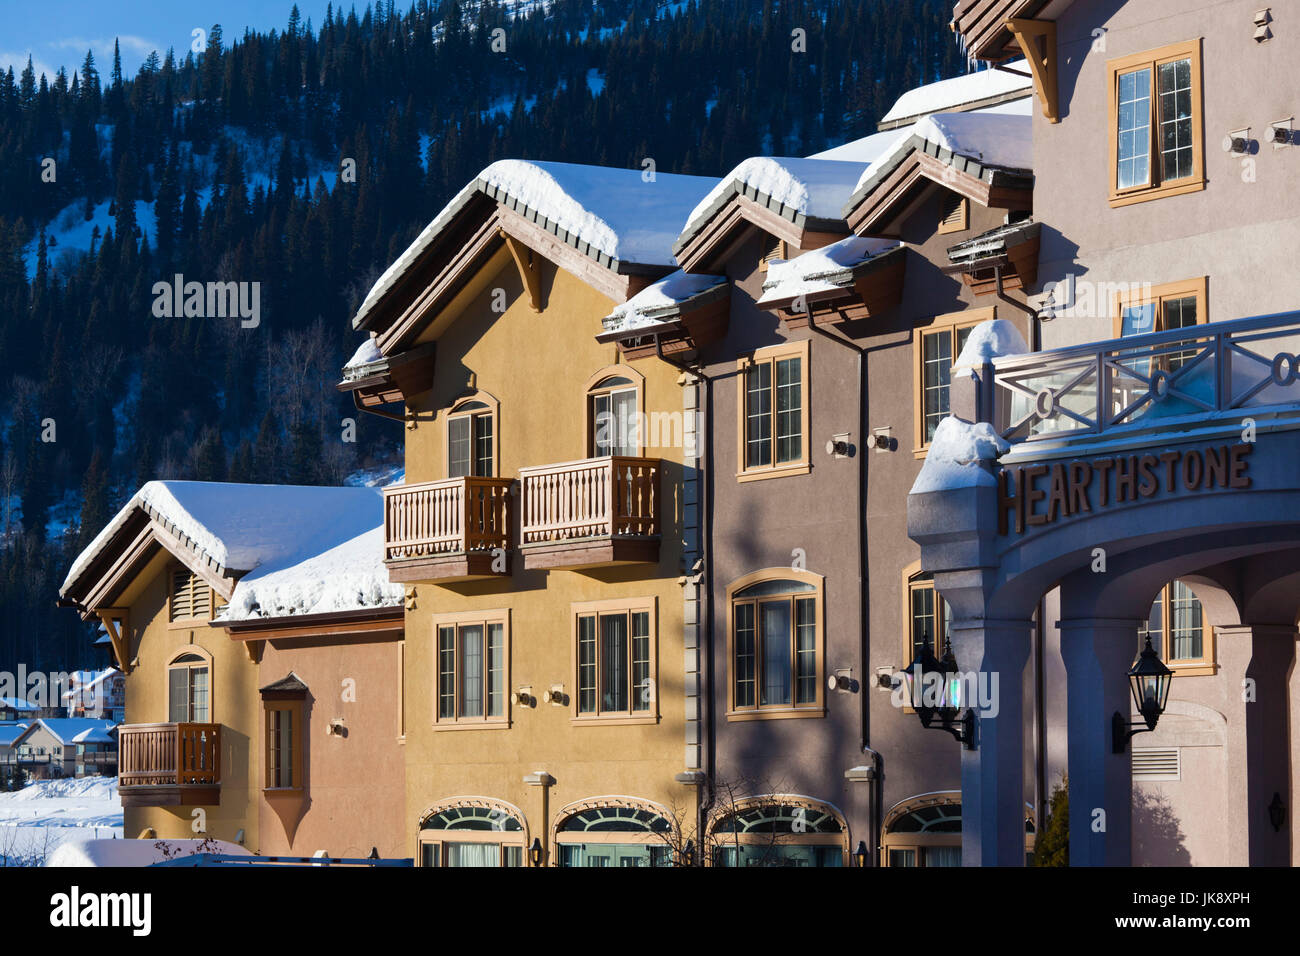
x: 272, y: 629
x: 714, y: 241
x: 1037, y: 40
x: 128, y: 560
x: 217, y: 577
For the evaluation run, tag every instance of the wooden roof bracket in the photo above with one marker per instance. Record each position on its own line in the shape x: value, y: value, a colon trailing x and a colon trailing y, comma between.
x: 114, y: 621
x: 1037, y: 40
x: 530, y: 273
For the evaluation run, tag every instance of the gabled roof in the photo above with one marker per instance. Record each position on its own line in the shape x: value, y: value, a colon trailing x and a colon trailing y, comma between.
x: 621, y: 220
x: 981, y: 25
x: 221, y: 531
x: 11, y: 733
x: 987, y: 157
x: 982, y: 89
x: 79, y: 730
x: 787, y: 197
x: 290, y: 684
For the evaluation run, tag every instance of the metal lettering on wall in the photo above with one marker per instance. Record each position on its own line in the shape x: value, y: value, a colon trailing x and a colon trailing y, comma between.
x: 1077, y: 487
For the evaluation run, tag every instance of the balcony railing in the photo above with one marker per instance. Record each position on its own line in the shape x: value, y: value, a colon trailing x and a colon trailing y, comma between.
x: 1246, y: 365
x: 446, y: 528
x: 179, y: 762
x: 606, y: 507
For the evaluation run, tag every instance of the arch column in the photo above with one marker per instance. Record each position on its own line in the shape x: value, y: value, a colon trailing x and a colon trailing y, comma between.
x: 1255, y: 660
x: 993, y: 774
x: 1098, y: 653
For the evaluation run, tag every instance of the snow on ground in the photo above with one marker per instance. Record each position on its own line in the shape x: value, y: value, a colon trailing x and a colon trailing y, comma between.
x: 72, y: 231
x: 380, y: 476
x: 138, y: 852
x: 48, y: 814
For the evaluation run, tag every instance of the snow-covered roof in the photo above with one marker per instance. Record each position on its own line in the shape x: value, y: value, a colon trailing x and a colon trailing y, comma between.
x: 10, y: 732
x: 660, y: 300
x: 367, y: 354
x: 16, y: 703
x: 982, y: 87
x: 78, y: 730
x: 865, y: 150
x: 616, y: 216
x: 83, y: 681
x: 794, y: 188
x: 348, y: 576
x: 960, y: 456
x: 989, y: 140
x: 239, y: 527
x: 820, y: 270
x: 136, y: 852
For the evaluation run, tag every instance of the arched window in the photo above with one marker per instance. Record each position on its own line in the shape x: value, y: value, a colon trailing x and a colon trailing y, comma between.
x: 775, y: 640
x: 472, y: 832
x: 615, y: 402
x: 779, y: 830
x: 1179, y: 631
x: 926, y: 831
x: 615, y: 831
x: 472, y: 437
x: 189, y: 687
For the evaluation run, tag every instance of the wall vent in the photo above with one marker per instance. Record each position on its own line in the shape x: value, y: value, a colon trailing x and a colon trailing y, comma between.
x: 1157, y: 764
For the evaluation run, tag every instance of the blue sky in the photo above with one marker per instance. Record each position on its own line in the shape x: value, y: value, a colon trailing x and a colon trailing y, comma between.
x: 59, y: 32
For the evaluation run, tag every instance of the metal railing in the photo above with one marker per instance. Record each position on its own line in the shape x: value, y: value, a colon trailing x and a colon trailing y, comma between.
x: 1142, y: 380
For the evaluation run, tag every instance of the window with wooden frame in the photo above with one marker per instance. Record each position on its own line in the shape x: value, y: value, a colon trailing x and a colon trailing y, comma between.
x: 614, y: 832
x: 190, y: 598
x: 472, y: 437
x: 776, y: 645
x: 1157, y: 144
x: 615, y: 662
x: 954, y: 214
x: 472, y: 665
x: 778, y: 830
x: 926, y: 615
x: 1162, y: 308
x: 189, y: 686
x: 615, y: 411
x: 936, y: 348
x: 1179, y: 631
x: 464, y: 834
x: 284, y: 727
x: 772, y: 412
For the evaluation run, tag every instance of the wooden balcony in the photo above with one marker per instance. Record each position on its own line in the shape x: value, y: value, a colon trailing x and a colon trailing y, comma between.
x: 452, y: 530
x: 597, y: 512
x: 169, y: 765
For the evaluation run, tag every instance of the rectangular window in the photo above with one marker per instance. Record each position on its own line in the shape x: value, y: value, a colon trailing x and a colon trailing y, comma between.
x: 773, y: 412
x: 470, y: 441
x: 928, y: 619
x: 473, y: 669
x: 1164, y: 308
x: 614, y: 660
x: 187, y: 693
x: 1157, y: 146
x: 613, y: 415
x: 938, y: 347
x: 279, y: 748
x: 1178, y: 630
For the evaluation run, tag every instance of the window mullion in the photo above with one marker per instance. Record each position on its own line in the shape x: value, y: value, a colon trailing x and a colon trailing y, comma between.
x: 771, y: 408
x: 1157, y: 173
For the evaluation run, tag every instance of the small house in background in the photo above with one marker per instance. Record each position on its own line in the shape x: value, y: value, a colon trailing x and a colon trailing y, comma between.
x: 67, y: 747
x: 16, y: 708
x: 99, y: 694
x: 10, y: 733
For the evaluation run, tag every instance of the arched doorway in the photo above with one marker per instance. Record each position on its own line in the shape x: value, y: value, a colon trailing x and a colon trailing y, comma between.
x: 779, y: 830
x: 472, y: 832
x: 925, y: 831
x: 614, y: 831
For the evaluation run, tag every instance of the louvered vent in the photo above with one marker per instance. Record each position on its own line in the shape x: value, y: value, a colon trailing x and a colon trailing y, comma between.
x: 191, y: 597
x: 1154, y: 764
x: 773, y: 249
x: 953, y: 215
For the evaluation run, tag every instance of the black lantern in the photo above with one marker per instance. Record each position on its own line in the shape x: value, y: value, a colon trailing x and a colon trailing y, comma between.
x: 688, y: 853
x: 1149, y: 680
x: 939, y: 695
x: 860, y: 855
x: 535, y: 852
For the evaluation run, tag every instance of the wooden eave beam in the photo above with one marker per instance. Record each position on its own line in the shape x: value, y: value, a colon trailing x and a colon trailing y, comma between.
x: 111, y: 617
x: 530, y: 272
x: 1037, y: 40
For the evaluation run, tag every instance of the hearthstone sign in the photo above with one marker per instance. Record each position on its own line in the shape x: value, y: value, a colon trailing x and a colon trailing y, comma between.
x: 1040, y: 494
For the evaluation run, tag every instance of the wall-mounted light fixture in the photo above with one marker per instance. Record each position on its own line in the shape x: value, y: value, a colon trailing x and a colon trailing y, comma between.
x: 840, y: 446
x: 1282, y: 133
x: 938, y: 698
x: 535, y: 852
x: 523, y: 697
x: 1149, y: 681
x: 860, y: 855
x: 688, y: 853
x: 842, y: 681
x: 555, y: 695
x: 1237, y: 142
x: 1262, y: 20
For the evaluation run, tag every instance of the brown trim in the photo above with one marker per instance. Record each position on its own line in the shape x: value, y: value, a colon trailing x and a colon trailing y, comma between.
x: 369, y: 620
x: 1156, y: 188
x: 771, y: 355
x: 1197, y: 288
x: 1037, y: 40
x: 457, y: 410
x: 758, y: 711
x: 958, y: 220
x: 952, y: 323
x: 1204, y: 665
x: 456, y: 620
x: 627, y: 606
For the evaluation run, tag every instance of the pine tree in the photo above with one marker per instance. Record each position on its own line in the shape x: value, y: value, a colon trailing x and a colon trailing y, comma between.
x: 1052, y: 847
